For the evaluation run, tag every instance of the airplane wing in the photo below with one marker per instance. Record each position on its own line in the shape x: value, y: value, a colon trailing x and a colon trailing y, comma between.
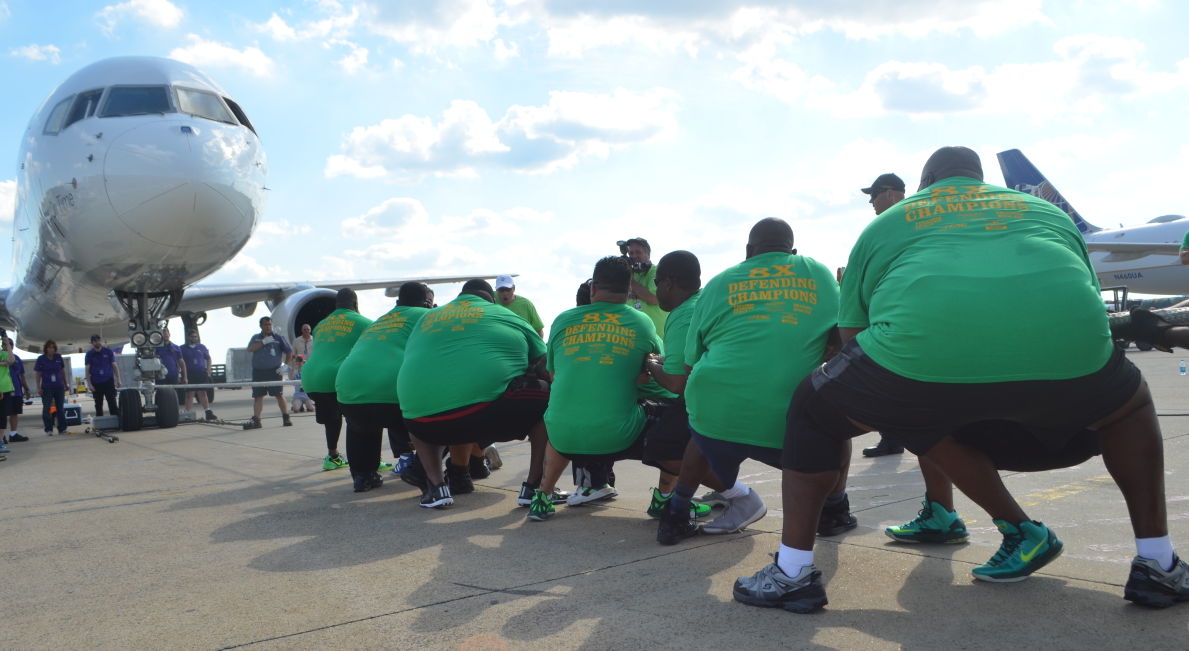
x: 1131, y: 250
x: 201, y: 298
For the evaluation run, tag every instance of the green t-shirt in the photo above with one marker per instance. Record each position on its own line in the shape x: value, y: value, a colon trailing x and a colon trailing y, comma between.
x: 333, y: 338
x: 596, y: 352
x: 965, y: 282
x: 462, y: 353
x: 524, y: 308
x: 1185, y: 242
x: 677, y: 335
x: 654, y: 312
x: 758, y: 329
x: 368, y: 375
x: 5, y: 375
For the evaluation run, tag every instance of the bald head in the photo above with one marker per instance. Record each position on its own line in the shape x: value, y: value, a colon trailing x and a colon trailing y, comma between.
x: 951, y: 161
x: 770, y: 235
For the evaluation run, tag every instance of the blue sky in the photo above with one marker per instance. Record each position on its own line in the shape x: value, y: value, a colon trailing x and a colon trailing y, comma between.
x: 493, y: 136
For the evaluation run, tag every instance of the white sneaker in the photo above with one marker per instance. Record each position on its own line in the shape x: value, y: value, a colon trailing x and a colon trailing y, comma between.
x: 589, y: 494
x: 741, y: 512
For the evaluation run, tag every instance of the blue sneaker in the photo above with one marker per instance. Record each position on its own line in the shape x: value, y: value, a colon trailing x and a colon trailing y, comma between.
x: 402, y: 463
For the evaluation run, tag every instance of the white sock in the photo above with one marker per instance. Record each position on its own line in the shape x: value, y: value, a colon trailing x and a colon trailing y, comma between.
x: 738, y: 490
x: 1157, y: 549
x: 791, y: 560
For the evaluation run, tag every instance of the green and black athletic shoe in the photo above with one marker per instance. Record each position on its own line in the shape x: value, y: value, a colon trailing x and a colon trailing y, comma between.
x: 933, y: 524
x: 334, y: 463
x: 660, y: 506
x: 541, y: 508
x: 1025, y: 549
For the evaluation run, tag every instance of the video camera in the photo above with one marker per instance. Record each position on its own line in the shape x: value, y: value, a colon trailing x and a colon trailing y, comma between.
x: 637, y: 267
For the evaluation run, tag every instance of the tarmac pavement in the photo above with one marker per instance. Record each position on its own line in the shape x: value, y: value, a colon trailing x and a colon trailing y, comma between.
x: 209, y: 536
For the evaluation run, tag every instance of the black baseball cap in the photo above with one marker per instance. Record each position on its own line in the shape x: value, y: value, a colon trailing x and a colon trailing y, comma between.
x: 883, y: 182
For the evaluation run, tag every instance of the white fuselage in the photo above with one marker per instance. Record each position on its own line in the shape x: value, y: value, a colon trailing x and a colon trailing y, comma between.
x: 1142, y: 273
x: 124, y: 186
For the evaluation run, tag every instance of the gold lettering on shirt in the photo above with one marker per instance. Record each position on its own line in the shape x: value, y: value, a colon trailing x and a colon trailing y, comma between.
x: 771, y: 285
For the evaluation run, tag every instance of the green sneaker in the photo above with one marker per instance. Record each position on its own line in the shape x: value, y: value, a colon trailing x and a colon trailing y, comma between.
x: 660, y: 505
x: 541, y: 508
x: 933, y: 524
x: 1025, y: 549
x: 385, y: 466
x: 333, y: 463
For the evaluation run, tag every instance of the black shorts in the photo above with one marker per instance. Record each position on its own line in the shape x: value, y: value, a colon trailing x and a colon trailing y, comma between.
x: 1050, y: 417
x: 373, y: 416
x: 197, y: 377
x: 14, y: 404
x: 267, y: 375
x: 327, y: 406
x: 4, y: 409
x: 666, y: 439
x: 725, y: 457
x: 507, y: 418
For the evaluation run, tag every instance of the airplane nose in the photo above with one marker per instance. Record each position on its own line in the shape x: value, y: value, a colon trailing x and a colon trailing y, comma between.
x: 183, y: 183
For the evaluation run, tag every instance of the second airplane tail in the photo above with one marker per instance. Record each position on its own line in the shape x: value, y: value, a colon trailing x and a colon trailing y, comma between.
x: 1020, y: 174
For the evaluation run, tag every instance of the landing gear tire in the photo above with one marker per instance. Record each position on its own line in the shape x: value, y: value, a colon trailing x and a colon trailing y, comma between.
x: 131, y: 417
x: 167, y: 408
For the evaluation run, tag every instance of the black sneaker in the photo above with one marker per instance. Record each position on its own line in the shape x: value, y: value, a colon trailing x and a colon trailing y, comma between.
x: 364, y: 483
x: 478, y: 468
x: 210, y: 416
x: 836, y: 519
x: 414, y: 475
x: 18, y: 438
x: 883, y: 448
x: 437, y: 497
x: 459, y: 480
x: 285, y: 422
x: 1149, y: 585
x: 253, y: 423
x: 675, y: 527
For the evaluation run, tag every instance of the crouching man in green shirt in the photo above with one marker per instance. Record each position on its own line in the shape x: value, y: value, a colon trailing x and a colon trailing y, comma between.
x: 596, y: 355
x: 472, y: 375
x: 936, y: 357
x: 758, y: 329
x: 366, y: 386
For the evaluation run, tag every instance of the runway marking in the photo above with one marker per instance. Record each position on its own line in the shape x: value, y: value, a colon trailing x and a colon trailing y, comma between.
x: 1066, y: 490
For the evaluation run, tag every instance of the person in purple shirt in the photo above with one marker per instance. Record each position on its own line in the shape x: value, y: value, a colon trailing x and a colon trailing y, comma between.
x: 102, y: 375
x: 171, y: 358
x: 50, y: 372
x: 198, y: 363
x: 16, y: 399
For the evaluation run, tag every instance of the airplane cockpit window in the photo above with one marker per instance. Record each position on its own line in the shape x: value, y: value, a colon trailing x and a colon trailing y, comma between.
x: 203, y: 104
x: 239, y: 114
x: 84, y: 106
x: 136, y: 100
x: 53, y: 124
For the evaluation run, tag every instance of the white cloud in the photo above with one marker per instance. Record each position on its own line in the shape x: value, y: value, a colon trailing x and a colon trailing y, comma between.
x: 209, y: 54
x: 246, y: 267
x: 281, y: 228
x: 356, y: 58
x: 505, y: 51
x: 158, y: 13
x: 572, y: 126
x: 401, y: 230
x: 429, y: 26
x: 8, y: 198
x: 49, y: 53
x: 4, y: 11
x: 337, y: 23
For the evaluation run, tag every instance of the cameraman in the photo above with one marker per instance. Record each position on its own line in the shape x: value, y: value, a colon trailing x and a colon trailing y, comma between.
x: 643, y: 286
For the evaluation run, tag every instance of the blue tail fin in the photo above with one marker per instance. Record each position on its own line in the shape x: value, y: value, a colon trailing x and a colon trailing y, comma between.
x: 1020, y: 174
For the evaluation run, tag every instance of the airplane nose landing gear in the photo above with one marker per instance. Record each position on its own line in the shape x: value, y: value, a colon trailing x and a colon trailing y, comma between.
x: 145, y: 404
